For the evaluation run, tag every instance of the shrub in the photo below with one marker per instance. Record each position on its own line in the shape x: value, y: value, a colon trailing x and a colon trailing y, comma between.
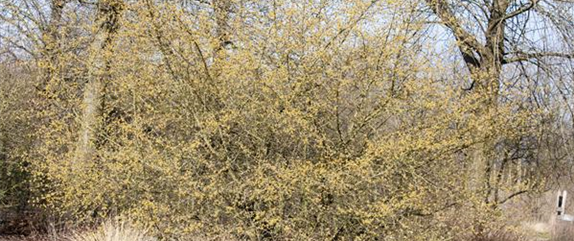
x: 16, y: 140
x: 301, y: 132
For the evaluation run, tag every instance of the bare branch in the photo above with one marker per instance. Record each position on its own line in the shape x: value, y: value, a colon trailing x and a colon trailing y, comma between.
x: 521, y: 10
x: 522, y: 56
x: 468, y: 43
x: 511, y: 196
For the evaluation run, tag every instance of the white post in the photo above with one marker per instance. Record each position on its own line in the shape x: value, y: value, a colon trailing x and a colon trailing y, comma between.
x: 560, y: 204
x: 564, y: 193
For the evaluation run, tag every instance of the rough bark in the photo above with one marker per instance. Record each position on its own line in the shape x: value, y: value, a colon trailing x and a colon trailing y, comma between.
x: 93, y: 102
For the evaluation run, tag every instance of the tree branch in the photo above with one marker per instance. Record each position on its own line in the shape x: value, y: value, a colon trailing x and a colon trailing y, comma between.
x: 521, y: 10
x: 467, y: 43
x: 522, y: 56
x: 511, y: 196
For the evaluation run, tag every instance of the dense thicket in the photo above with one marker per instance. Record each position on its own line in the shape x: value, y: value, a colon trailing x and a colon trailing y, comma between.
x: 284, y: 119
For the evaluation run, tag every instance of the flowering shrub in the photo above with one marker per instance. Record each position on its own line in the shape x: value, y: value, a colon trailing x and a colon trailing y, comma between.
x: 254, y: 120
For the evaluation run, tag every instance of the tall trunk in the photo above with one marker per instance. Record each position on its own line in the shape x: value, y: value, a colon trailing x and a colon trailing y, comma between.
x: 91, y: 119
x: 221, y: 9
x: 52, y: 41
x: 93, y: 103
x: 484, y: 60
x: 487, y: 73
x: 493, y: 55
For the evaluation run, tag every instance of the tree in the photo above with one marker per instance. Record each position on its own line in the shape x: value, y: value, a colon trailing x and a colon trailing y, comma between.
x: 503, y: 32
x: 519, y: 36
x: 93, y: 103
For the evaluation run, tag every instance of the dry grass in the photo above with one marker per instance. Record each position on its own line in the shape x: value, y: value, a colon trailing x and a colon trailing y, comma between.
x: 123, y: 231
x: 108, y: 231
x: 563, y: 231
x: 113, y: 231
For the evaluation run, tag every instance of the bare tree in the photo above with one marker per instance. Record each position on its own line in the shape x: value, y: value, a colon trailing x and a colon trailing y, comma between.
x: 494, y: 33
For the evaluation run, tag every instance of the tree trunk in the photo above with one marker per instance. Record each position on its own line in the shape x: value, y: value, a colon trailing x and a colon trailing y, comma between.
x: 93, y: 103
x: 92, y: 118
x: 52, y: 41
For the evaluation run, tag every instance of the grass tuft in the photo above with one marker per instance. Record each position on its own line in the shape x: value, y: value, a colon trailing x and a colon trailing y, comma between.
x: 113, y: 231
